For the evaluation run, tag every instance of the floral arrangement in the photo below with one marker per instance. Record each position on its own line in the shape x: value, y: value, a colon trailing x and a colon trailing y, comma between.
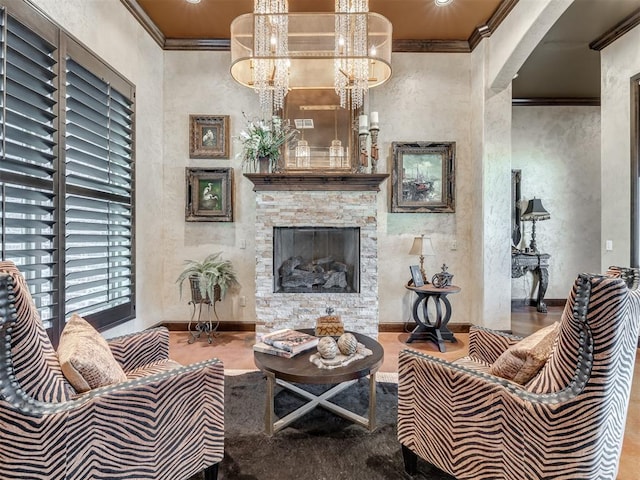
x: 263, y: 138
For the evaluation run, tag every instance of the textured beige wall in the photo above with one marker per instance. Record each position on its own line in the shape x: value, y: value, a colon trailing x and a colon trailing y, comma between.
x: 123, y: 43
x: 618, y: 62
x: 558, y: 150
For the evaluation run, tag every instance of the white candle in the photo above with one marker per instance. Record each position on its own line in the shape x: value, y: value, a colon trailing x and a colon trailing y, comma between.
x: 364, y: 124
x: 374, y: 120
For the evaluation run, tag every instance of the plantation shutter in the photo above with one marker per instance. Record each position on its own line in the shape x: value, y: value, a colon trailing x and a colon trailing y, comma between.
x: 28, y: 136
x: 99, y: 265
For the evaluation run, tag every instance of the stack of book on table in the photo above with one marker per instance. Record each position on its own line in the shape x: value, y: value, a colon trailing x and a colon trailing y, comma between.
x: 285, y: 343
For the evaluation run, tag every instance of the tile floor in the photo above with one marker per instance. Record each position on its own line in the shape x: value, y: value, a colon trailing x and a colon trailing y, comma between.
x: 235, y: 350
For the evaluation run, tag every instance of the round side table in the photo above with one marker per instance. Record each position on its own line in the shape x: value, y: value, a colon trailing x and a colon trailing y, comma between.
x: 434, y: 330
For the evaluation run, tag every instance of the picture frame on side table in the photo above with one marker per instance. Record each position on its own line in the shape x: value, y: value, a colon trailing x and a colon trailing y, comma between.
x: 416, y: 276
x: 209, y: 195
x: 208, y: 136
x: 423, y: 178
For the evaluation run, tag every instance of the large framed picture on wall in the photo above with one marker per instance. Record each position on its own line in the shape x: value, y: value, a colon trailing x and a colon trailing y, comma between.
x: 423, y: 177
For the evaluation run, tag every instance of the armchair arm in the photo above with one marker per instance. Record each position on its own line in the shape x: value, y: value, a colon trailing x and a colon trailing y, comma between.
x: 28, y: 406
x: 487, y: 345
x: 142, y: 348
x: 166, y: 425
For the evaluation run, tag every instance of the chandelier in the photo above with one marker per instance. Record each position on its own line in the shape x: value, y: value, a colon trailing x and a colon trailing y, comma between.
x: 348, y: 51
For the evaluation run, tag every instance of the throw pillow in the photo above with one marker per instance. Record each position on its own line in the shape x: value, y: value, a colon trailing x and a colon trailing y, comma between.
x: 522, y: 361
x: 85, y: 357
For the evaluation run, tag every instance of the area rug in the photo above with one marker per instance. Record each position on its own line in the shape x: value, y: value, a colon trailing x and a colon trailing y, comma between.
x: 317, y: 446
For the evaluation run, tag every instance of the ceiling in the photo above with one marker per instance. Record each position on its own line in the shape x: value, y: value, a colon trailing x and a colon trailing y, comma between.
x: 211, y: 18
x: 563, y: 66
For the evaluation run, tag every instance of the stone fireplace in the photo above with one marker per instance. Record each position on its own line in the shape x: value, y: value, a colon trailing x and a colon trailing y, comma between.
x: 327, y: 204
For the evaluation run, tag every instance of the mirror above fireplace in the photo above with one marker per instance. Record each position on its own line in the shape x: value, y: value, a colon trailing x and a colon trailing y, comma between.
x: 327, y: 139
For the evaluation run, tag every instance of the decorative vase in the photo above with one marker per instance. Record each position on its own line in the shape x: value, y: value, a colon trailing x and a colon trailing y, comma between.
x: 263, y: 164
x: 327, y: 348
x: 347, y: 344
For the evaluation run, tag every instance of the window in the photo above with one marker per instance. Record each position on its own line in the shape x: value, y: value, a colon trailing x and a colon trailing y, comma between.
x: 66, y: 172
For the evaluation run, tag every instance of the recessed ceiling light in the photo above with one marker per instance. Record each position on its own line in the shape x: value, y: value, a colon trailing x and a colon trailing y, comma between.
x: 194, y: 1
x: 442, y: 3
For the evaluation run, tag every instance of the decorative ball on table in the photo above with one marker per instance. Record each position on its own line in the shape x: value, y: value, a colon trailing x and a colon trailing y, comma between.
x: 347, y: 343
x: 327, y: 348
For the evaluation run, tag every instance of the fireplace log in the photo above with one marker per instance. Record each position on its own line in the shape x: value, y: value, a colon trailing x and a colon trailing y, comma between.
x: 336, y: 279
x: 300, y: 278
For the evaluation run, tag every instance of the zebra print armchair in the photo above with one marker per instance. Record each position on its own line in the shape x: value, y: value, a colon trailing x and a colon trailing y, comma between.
x: 566, y: 422
x: 165, y: 421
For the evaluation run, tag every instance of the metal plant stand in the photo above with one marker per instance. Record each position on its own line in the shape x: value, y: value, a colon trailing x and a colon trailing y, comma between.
x: 202, y: 318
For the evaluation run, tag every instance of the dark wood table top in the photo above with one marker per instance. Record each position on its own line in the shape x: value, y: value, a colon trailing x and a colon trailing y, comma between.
x: 431, y: 288
x: 300, y: 370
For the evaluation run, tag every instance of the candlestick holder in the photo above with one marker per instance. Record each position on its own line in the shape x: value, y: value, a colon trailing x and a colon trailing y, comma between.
x: 363, y: 162
x: 374, y: 148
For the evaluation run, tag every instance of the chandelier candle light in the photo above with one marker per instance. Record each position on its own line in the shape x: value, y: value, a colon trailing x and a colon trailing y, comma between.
x: 271, y: 46
x: 351, y: 69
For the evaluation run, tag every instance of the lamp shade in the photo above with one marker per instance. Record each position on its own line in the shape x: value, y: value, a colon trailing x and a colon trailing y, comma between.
x: 535, y: 211
x: 421, y: 246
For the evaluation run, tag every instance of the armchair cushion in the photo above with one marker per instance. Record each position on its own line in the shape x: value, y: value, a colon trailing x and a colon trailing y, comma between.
x: 522, y: 361
x: 85, y: 357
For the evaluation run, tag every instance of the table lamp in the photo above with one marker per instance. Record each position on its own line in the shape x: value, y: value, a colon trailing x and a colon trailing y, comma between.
x: 535, y: 212
x: 422, y: 246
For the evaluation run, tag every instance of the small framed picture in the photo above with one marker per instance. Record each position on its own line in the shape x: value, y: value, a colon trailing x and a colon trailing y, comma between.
x: 208, y: 136
x: 416, y: 276
x: 209, y: 195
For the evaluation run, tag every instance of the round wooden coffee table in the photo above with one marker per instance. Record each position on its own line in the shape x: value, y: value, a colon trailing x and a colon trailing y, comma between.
x: 299, y: 370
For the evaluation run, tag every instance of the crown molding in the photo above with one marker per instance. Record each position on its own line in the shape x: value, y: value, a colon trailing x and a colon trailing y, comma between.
x: 616, y: 32
x: 546, y: 102
x: 484, y: 31
x: 140, y: 15
x: 430, y: 46
x: 215, y: 44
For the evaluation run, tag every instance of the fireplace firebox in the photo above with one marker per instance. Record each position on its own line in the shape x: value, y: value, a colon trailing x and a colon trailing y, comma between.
x: 316, y: 259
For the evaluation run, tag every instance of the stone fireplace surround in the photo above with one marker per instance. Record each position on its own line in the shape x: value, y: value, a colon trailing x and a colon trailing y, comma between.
x: 345, y: 201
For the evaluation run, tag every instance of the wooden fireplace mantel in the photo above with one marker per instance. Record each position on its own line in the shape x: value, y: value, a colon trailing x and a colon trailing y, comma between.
x: 316, y: 181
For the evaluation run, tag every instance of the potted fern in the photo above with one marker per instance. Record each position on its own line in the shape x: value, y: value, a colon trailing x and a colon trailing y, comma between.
x: 209, y: 280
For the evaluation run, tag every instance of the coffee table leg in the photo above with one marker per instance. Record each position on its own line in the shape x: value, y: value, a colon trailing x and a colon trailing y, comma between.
x: 372, y: 402
x: 269, y: 413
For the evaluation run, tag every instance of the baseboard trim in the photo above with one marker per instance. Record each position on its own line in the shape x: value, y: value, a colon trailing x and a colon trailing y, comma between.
x: 407, y: 327
x: 251, y: 327
x: 530, y: 302
x: 222, y: 327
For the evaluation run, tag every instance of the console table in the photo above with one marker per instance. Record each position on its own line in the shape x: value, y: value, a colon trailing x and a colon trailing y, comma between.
x: 537, y: 264
x: 427, y: 329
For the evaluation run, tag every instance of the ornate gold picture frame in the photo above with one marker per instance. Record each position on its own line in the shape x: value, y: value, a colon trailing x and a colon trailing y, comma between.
x: 209, y: 195
x: 208, y: 136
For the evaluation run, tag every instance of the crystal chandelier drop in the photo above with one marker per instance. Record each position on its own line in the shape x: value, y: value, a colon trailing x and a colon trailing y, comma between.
x: 271, y: 51
x: 351, y: 66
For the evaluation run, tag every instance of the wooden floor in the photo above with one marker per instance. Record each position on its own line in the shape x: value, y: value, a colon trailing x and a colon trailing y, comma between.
x: 235, y: 350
